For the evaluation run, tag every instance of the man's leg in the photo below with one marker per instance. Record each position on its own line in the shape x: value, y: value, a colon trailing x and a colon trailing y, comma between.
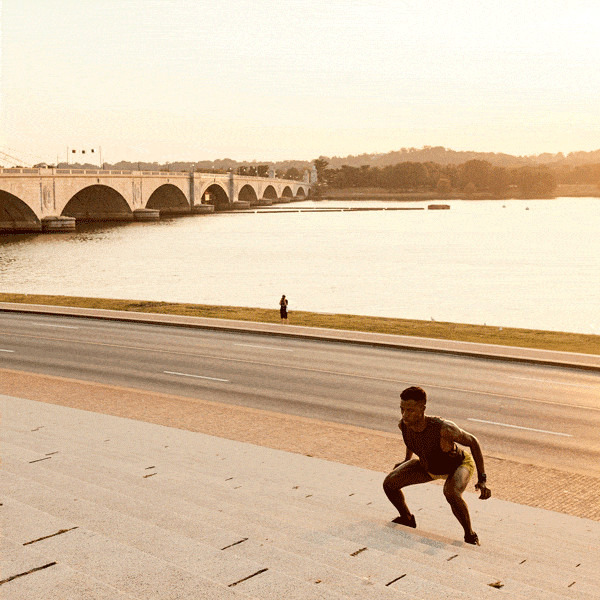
x: 453, y: 489
x: 409, y: 473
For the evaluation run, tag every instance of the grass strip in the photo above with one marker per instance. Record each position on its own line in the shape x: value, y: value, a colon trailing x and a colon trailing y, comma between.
x: 484, y: 334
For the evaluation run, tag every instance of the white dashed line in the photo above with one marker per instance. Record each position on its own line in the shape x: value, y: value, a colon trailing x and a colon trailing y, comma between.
x: 52, y: 325
x: 593, y: 387
x: 265, y: 347
x: 196, y: 376
x: 519, y: 427
x: 1, y: 350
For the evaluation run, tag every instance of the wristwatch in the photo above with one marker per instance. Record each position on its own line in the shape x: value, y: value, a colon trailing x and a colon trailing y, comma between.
x: 482, y: 478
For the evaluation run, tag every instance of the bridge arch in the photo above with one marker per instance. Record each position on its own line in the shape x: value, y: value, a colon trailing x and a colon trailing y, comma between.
x: 287, y: 192
x: 216, y: 195
x: 248, y: 194
x: 98, y: 203
x: 15, y: 215
x: 300, y: 193
x: 169, y: 200
x: 270, y: 193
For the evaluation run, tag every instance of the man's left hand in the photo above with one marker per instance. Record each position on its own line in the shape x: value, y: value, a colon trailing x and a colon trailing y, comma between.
x: 485, y: 492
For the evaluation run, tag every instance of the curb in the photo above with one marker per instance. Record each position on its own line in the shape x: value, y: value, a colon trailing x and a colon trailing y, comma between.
x: 587, y: 362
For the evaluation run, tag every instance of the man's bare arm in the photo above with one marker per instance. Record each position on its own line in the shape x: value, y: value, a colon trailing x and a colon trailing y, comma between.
x: 407, y: 457
x: 452, y: 433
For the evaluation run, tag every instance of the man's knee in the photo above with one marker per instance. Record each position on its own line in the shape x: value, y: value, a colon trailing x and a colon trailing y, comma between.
x: 452, y: 494
x: 393, y: 482
x: 388, y: 483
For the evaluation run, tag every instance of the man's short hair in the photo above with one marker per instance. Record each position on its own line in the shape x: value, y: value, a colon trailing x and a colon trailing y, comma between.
x: 414, y: 393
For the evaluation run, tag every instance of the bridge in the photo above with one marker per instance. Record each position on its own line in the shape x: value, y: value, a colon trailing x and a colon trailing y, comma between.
x: 53, y: 199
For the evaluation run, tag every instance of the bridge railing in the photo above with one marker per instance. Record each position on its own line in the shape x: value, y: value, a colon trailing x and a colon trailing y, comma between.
x: 54, y: 171
x: 109, y: 173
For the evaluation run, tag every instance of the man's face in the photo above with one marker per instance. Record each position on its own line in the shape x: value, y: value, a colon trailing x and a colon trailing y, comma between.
x: 412, y: 412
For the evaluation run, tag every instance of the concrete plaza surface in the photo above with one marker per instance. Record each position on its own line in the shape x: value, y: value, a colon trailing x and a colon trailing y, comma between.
x: 95, y: 506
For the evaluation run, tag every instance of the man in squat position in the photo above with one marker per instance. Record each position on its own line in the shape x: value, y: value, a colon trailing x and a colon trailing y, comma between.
x: 434, y: 441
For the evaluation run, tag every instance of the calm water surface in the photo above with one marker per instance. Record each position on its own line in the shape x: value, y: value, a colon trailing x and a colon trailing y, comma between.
x: 533, y: 264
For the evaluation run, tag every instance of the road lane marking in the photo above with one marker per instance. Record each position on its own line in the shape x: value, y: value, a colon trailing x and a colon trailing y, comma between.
x: 196, y: 376
x: 519, y: 427
x: 1, y: 350
x: 306, y: 369
x: 592, y: 387
x: 265, y: 347
x: 52, y: 325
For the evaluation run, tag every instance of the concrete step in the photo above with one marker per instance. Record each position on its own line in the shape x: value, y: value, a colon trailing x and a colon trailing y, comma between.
x: 215, y: 484
x: 38, y: 578
x: 447, y: 514
x: 311, y: 518
x: 177, y: 549
x: 163, y: 542
x: 200, y: 458
x: 387, y: 575
x: 116, y: 565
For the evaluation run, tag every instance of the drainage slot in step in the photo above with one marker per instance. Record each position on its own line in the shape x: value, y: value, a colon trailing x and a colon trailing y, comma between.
x: 39, y: 459
x: 246, y: 578
x: 394, y: 580
x: 234, y: 544
x: 27, y: 572
x: 60, y: 532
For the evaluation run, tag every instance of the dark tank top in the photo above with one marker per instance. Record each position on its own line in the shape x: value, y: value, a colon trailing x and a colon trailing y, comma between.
x: 426, y: 445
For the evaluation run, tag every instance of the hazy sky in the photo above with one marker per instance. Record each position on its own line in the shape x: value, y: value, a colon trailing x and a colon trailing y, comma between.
x: 173, y: 80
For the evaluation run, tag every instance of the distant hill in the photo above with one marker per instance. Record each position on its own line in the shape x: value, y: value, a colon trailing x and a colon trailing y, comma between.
x: 445, y: 156
x: 433, y: 154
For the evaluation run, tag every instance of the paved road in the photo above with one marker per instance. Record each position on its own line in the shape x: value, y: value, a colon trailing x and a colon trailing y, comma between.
x: 536, y: 414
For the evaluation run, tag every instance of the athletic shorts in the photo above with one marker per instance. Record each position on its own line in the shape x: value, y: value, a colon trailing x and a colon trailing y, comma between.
x: 467, y: 462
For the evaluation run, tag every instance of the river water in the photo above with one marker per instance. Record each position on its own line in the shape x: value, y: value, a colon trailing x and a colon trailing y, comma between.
x: 519, y: 263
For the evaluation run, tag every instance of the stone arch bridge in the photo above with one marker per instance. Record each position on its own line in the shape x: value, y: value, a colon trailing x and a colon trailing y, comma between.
x: 54, y: 199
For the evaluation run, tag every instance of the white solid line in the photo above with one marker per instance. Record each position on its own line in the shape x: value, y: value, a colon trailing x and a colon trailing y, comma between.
x: 6, y: 350
x: 518, y: 427
x: 265, y: 347
x: 196, y: 376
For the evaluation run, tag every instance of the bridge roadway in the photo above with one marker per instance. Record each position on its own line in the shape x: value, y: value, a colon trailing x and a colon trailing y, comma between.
x: 51, y: 199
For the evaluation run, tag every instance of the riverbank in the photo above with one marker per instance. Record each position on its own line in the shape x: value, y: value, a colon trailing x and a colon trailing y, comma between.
x: 562, y: 190
x: 506, y: 336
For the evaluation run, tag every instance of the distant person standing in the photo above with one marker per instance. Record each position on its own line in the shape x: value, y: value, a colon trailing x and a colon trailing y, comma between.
x: 283, y: 304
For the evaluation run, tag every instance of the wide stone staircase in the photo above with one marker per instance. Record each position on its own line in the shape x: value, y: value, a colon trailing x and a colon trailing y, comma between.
x: 101, y: 507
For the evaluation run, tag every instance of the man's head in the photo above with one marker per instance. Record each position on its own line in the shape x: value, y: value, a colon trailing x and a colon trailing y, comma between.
x: 412, y: 405
x: 414, y: 393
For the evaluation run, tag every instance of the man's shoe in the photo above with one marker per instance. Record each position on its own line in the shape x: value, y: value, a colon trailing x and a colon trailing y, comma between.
x: 406, y: 521
x: 471, y: 538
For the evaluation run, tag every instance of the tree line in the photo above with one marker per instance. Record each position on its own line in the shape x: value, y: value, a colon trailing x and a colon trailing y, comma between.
x: 471, y: 177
